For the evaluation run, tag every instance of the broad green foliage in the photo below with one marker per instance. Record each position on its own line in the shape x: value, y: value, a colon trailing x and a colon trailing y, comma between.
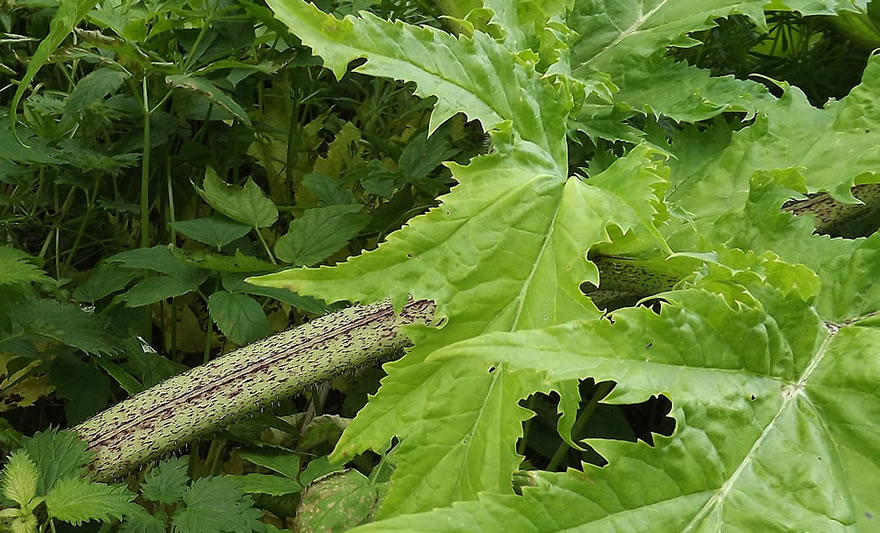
x: 48, y: 471
x: 763, y: 346
x: 46, y: 477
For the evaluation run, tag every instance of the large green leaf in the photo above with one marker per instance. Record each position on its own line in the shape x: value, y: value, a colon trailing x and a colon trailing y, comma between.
x: 847, y: 267
x: 834, y: 145
x: 505, y: 258
x: 476, y: 76
x: 776, y: 433
x: 615, y: 30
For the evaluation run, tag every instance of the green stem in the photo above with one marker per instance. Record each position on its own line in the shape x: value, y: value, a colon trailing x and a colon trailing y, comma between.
x: 145, y: 172
x: 172, y: 217
x: 265, y: 246
x: 601, y: 391
x: 90, y: 205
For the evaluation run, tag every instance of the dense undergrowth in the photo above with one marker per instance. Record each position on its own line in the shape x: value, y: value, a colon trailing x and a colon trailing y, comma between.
x: 163, y: 163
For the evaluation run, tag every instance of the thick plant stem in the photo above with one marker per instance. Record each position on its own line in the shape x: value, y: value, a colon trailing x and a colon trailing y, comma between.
x: 205, y: 398
x: 210, y: 396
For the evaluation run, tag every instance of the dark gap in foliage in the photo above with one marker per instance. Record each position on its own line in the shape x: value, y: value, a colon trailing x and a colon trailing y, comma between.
x: 794, y: 50
x: 544, y: 448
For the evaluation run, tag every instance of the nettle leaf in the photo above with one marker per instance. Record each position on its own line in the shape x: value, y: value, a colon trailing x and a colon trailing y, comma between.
x: 76, y: 500
x: 58, y: 455
x: 239, y: 317
x: 214, y: 231
x: 248, y: 205
x: 15, y: 269
x: 796, y: 401
x: 18, y: 480
x: 320, y: 232
x: 167, y: 481
x: 140, y: 521
x: 216, y: 505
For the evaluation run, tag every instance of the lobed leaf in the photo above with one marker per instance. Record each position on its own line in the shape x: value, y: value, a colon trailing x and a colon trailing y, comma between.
x: 216, y: 505
x: 793, y: 451
x: 476, y: 76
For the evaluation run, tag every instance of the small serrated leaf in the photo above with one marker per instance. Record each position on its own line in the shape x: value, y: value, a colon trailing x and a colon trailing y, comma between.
x: 19, y: 478
x: 215, y: 231
x: 239, y: 317
x: 57, y: 454
x: 166, y: 482
x: 211, y: 92
x: 319, y: 232
x: 16, y: 270
x: 98, y: 84
x: 216, y: 505
x: 76, y: 500
x: 248, y: 204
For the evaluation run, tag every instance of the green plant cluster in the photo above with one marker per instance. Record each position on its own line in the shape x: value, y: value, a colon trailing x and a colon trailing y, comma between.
x: 173, y: 174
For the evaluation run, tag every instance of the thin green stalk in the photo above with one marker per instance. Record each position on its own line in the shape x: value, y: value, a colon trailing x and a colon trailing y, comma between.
x: 145, y: 172
x: 90, y: 205
x: 172, y: 217
x: 212, y: 461
x: 601, y: 391
x: 266, y: 246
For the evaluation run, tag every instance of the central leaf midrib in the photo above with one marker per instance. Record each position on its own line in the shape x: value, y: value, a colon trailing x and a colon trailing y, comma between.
x: 721, y: 494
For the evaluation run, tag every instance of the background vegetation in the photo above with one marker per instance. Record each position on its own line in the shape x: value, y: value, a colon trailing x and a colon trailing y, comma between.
x: 170, y: 149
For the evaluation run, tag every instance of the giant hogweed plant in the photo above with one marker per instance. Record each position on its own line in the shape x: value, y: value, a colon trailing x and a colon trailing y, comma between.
x: 766, y: 345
